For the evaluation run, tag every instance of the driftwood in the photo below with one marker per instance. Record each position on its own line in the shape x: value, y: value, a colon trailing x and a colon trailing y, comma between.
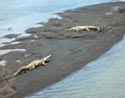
x: 86, y: 28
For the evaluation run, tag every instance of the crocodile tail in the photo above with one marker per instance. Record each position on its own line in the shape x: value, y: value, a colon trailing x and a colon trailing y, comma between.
x: 17, y: 72
x: 6, y: 78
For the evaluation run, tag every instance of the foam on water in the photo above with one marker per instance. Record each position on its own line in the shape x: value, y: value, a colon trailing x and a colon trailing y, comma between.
x: 102, y: 78
x: 2, y: 52
x: 2, y: 62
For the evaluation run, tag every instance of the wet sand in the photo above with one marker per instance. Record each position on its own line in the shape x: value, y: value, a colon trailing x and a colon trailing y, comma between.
x: 70, y: 50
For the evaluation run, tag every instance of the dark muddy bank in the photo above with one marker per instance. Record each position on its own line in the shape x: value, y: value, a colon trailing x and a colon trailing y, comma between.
x: 70, y: 50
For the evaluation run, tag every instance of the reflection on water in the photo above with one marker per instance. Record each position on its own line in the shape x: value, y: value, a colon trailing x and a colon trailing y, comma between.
x: 102, y: 78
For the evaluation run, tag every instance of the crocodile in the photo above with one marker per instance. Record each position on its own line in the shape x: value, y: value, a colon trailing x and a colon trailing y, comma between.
x: 30, y: 66
x: 86, y: 28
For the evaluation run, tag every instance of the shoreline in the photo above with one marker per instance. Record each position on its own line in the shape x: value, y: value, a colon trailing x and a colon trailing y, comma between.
x: 70, y: 50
